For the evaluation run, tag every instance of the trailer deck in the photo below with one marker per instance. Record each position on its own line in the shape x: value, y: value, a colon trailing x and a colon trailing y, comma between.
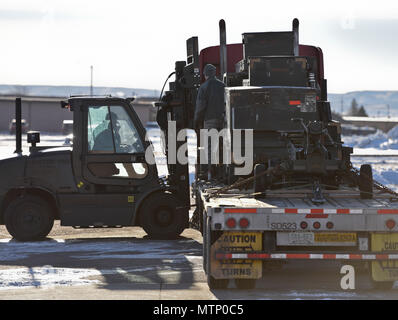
x: 243, y: 232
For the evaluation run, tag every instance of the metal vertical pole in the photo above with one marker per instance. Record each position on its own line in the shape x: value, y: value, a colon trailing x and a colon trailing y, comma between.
x: 296, y: 36
x: 91, y: 82
x: 223, y: 49
x: 18, y: 125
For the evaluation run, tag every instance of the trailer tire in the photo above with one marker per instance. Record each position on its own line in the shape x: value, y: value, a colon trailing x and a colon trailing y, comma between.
x: 245, y: 284
x: 379, y: 285
x: 382, y: 285
x: 29, y: 218
x: 208, y: 240
x: 366, y: 182
x: 217, y: 284
x: 160, y: 219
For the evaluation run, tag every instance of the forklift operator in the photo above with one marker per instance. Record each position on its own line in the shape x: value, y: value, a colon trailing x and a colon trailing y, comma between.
x: 104, y: 141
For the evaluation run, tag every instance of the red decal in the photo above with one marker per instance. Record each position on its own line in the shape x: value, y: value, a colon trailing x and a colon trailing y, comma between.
x: 297, y: 256
x: 387, y: 211
x: 329, y: 256
x: 316, y: 210
x: 319, y: 216
x: 291, y: 210
x: 343, y: 211
x: 239, y: 210
x: 355, y: 256
x: 294, y: 102
x: 223, y: 256
x: 258, y: 255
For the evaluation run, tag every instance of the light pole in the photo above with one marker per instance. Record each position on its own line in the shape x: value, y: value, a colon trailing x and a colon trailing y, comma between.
x: 91, y: 81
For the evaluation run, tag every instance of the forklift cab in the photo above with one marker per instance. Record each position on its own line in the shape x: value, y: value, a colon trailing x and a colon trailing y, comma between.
x: 108, y: 161
x: 110, y: 141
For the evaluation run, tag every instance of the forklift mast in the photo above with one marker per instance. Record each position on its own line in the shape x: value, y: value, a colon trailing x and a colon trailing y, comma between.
x: 178, y: 105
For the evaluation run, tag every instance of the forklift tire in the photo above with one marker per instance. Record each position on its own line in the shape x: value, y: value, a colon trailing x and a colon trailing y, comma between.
x: 29, y: 218
x: 366, y: 182
x: 160, y: 218
x: 245, y: 284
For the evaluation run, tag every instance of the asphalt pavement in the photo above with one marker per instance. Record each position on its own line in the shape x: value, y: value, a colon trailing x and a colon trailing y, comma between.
x: 123, y: 264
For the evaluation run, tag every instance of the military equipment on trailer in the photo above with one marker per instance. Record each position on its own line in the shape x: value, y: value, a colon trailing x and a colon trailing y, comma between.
x: 102, y: 180
x: 303, y: 199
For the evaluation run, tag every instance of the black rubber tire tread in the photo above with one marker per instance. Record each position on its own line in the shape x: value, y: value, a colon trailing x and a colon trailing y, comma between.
x: 245, y: 284
x: 208, y: 240
x: 382, y: 285
x: 149, y: 222
x: 217, y: 284
x: 43, y: 212
x: 379, y: 285
x: 366, y: 181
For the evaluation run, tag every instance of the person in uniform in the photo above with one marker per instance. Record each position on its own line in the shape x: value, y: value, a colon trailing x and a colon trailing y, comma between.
x: 210, y: 108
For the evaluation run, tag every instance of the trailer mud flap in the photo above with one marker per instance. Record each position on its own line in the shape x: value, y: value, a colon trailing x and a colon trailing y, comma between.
x: 384, y: 270
x: 236, y: 269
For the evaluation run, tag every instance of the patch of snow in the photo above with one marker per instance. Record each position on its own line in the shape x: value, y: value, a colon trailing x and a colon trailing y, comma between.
x: 45, y: 277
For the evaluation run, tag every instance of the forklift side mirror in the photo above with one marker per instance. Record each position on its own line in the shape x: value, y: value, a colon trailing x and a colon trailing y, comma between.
x: 66, y: 105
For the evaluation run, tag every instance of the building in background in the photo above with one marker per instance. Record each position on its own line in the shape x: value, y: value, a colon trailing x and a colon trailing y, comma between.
x: 45, y: 113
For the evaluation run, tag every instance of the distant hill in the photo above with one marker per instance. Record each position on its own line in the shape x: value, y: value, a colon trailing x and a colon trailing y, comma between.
x: 66, y: 91
x: 374, y: 102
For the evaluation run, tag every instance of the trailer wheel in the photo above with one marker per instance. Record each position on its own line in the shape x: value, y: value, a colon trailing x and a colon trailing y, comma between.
x: 379, y: 285
x: 366, y: 182
x: 208, y: 239
x: 29, y: 218
x: 217, y: 284
x: 382, y: 285
x: 245, y: 284
x: 160, y: 218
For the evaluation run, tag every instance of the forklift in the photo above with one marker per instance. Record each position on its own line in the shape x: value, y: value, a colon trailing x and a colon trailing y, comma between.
x: 102, y: 180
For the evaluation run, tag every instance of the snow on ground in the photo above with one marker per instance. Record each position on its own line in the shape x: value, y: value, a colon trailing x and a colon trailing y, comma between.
x: 377, y: 141
x: 384, y: 149
x: 49, y: 276
x: 45, y: 277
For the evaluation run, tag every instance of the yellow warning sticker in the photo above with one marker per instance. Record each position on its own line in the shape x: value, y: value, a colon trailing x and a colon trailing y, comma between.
x: 130, y: 199
x: 335, y: 237
x: 236, y: 269
x: 384, y: 270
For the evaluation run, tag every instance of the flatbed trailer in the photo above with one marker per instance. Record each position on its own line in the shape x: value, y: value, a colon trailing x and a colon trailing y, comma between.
x: 242, y: 234
x: 276, y: 89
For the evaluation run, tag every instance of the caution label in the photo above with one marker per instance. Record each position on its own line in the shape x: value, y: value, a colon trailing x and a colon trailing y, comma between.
x: 236, y: 269
x: 384, y: 270
x: 335, y: 237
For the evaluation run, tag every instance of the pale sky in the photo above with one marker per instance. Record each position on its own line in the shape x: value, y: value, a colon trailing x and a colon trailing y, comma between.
x: 136, y: 43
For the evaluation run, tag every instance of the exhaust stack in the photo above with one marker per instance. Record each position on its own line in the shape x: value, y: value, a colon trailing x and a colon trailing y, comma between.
x: 18, y: 126
x: 223, y: 49
x: 296, y: 36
